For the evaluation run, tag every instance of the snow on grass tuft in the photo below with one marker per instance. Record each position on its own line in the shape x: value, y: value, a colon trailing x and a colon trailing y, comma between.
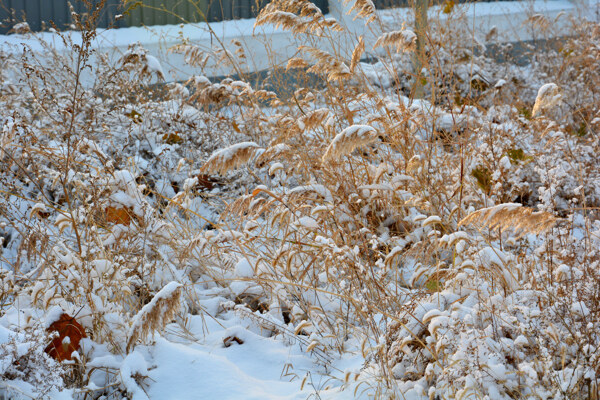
x: 156, y: 314
x: 229, y: 158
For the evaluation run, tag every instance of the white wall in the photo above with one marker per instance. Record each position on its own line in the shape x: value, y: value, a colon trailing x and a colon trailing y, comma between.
x: 267, y: 46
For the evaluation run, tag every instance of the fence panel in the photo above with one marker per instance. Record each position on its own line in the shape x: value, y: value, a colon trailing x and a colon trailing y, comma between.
x: 382, y: 4
x: 159, y: 12
x: 39, y: 13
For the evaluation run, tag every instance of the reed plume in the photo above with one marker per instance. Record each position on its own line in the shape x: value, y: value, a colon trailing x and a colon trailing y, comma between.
x: 404, y: 40
x: 156, y: 314
x: 349, y: 139
x: 229, y: 158
x: 514, y: 216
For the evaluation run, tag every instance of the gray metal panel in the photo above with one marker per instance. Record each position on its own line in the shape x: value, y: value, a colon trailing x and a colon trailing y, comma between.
x: 160, y: 17
x: 214, y: 11
x: 173, y: 8
x: 6, y: 16
x: 32, y: 10
x: 228, y: 10
x: 135, y: 16
x: 39, y: 13
x: 323, y: 5
x: 381, y: 4
x: 148, y: 12
x: 244, y: 9
x: 59, y: 14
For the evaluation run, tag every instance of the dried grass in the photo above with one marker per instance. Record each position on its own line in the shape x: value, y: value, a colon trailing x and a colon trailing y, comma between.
x: 357, y: 53
x: 404, y: 40
x: 375, y: 214
x: 281, y: 19
x: 364, y: 9
x: 348, y: 140
x: 522, y: 220
x: 547, y: 97
x: 297, y: 16
x: 313, y: 119
x: 155, y: 315
x: 229, y: 158
x: 296, y: 63
x: 193, y: 55
x: 272, y: 153
x: 328, y: 64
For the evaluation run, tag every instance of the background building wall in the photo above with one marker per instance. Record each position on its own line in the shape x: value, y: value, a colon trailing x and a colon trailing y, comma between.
x: 39, y: 13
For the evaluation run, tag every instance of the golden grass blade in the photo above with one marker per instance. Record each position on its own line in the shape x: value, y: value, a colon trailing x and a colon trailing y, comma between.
x: 229, y: 158
x: 547, y: 97
x: 514, y: 216
x: 272, y: 153
x: 155, y: 315
x: 280, y: 19
x: 296, y: 63
x: 357, y: 53
x: 364, y: 9
x: 348, y: 140
x: 327, y: 64
x: 404, y: 40
x: 313, y: 118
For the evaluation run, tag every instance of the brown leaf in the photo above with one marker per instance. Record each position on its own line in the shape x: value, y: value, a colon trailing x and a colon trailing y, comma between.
x: 206, y: 182
x: 228, y: 341
x: 172, y: 138
x: 67, y: 327
x: 121, y: 216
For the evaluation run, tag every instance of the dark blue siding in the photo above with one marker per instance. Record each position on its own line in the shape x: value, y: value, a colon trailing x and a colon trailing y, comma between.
x: 39, y: 13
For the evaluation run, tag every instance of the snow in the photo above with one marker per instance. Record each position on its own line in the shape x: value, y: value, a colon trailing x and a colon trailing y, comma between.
x: 154, y: 65
x: 165, y: 293
x: 216, y: 375
x: 319, y: 189
x: 308, y: 222
x: 133, y: 364
x: 581, y: 309
x: 146, y: 36
x: 244, y: 269
x: 275, y: 167
x: 431, y: 220
x: 254, y: 370
x: 229, y: 152
x: 52, y: 316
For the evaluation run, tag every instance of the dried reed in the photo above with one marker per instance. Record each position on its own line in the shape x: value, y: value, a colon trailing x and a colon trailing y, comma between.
x: 271, y: 153
x: 348, y: 140
x: 156, y: 314
x: 229, y: 158
x: 313, y: 118
x: 514, y: 216
x: 364, y: 9
x: 547, y: 97
x: 357, y: 53
x: 404, y: 40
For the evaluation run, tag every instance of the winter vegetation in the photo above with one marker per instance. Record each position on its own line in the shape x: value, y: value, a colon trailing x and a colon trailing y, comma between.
x: 338, y: 239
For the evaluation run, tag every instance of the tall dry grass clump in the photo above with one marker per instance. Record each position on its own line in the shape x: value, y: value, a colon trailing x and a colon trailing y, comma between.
x: 521, y: 219
x: 331, y: 216
x: 155, y: 315
x: 229, y: 158
x: 349, y: 139
x: 404, y: 40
